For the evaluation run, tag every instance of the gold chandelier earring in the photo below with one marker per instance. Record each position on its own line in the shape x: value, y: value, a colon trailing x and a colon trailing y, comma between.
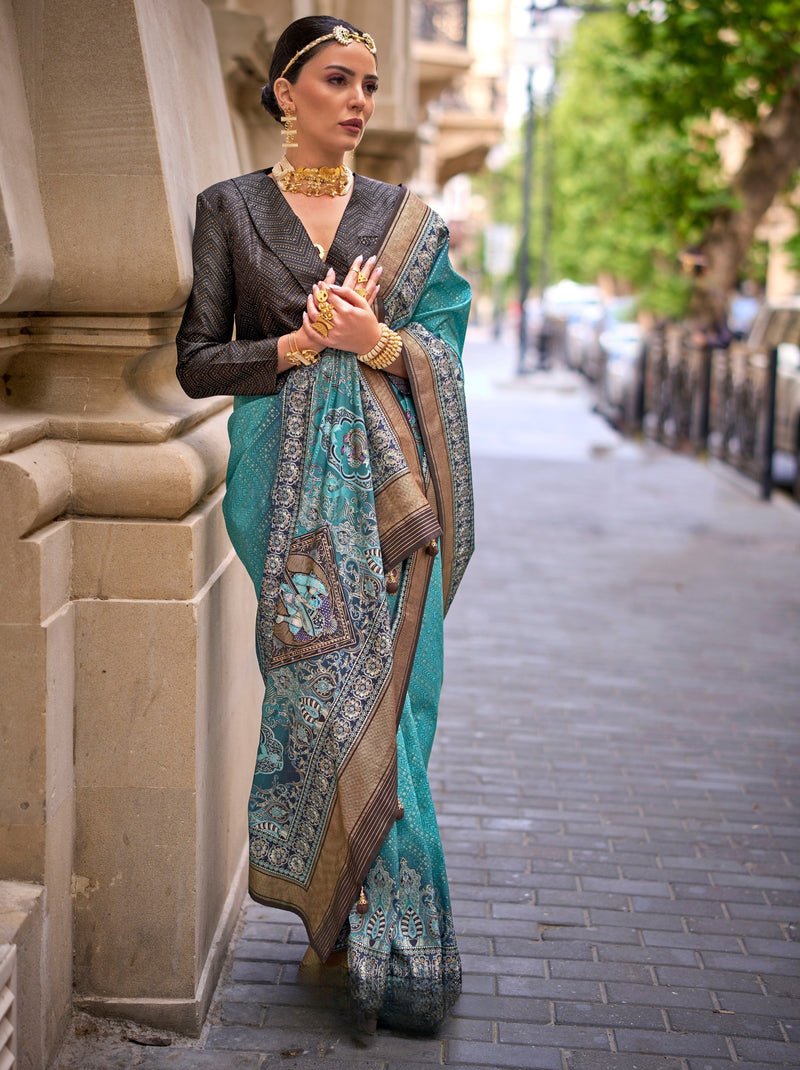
x: 289, y: 131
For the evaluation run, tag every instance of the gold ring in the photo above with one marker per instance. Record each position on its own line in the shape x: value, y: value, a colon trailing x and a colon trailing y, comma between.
x: 325, y: 307
x: 325, y: 319
x: 361, y: 279
x: 361, y: 291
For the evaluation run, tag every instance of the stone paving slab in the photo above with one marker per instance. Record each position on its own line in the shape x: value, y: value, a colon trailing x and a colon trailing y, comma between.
x: 616, y: 774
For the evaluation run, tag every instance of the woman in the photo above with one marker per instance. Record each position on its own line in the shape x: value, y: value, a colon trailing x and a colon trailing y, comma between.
x: 349, y: 469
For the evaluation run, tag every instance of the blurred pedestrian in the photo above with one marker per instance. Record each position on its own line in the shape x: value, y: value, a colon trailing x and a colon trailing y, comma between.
x: 744, y: 307
x: 707, y: 319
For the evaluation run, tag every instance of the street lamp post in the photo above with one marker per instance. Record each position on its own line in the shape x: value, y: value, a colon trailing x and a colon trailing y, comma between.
x: 527, y: 211
x: 548, y: 175
x: 544, y: 342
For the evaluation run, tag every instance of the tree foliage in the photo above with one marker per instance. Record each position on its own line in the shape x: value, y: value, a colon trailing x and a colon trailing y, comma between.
x: 623, y: 183
x: 699, y: 65
x: 694, y: 57
x: 646, y: 91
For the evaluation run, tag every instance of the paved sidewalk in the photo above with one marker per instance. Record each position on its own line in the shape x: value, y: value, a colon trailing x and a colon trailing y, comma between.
x: 616, y: 774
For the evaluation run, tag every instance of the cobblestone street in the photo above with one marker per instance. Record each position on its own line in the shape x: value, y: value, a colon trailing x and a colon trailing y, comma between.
x: 615, y: 771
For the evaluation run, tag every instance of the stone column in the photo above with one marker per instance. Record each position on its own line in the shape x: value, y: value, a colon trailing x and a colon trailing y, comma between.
x: 126, y: 622
x: 36, y: 784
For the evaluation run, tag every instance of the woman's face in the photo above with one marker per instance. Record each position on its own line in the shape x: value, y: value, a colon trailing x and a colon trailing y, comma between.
x: 333, y: 99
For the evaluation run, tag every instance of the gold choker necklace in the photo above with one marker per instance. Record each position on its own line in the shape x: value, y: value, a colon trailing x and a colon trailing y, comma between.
x: 312, y: 181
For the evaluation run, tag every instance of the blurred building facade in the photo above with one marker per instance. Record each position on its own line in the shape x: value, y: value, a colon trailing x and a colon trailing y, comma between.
x: 130, y: 708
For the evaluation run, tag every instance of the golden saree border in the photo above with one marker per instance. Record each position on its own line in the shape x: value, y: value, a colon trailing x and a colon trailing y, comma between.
x: 400, y: 242
x: 400, y: 239
x: 406, y: 519
x: 423, y: 387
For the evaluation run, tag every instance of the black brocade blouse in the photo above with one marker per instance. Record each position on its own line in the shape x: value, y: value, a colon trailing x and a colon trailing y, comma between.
x: 254, y: 266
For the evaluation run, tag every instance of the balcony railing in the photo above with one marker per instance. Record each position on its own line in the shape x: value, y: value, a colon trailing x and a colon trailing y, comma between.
x: 441, y: 21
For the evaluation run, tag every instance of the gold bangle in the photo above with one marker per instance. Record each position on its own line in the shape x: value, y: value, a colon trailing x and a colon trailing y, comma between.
x: 385, y: 351
x: 388, y: 355
x: 381, y: 362
x: 297, y: 356
x: 378, y: 347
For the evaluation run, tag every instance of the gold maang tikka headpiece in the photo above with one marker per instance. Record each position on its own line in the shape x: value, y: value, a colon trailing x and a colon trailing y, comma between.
x: 341, y: 35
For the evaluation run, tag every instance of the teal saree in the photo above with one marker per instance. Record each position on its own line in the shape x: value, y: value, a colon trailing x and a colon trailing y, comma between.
x: 341, y: 477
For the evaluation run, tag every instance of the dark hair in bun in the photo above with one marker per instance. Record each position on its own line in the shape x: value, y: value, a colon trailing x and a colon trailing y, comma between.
x: 296, y: 36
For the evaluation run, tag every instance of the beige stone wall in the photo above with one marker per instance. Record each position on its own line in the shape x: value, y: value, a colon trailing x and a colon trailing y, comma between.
x: 777, y: 228
x: 129, y: 712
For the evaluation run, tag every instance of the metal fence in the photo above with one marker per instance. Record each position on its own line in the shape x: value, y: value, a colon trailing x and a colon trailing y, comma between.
x: 723, y: 401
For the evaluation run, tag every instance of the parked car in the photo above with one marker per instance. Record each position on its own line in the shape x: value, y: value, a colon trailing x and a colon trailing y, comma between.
x: 621, y: 344
x: 787, y: 415
x: 572, y: 316
x: 777, y: 324
x: 582, y: 332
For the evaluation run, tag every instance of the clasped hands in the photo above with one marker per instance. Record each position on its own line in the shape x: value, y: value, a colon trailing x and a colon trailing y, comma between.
x: 350, y: 322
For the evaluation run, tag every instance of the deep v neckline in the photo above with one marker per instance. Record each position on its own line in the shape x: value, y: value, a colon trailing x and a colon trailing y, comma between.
x: 334, y: 257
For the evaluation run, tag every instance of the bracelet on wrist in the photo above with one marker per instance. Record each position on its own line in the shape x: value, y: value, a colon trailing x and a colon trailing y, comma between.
x: 385, y: 351
x: 297, y: 356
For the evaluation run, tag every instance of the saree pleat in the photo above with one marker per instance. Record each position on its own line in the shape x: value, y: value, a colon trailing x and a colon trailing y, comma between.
x: 331, y: 483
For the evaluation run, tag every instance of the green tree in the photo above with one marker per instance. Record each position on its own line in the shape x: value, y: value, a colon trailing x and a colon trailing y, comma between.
x: 621, y: 182
x: 646, y: 92
x: 698, y: 64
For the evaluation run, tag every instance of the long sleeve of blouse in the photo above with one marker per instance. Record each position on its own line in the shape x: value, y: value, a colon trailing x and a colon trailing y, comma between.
x: 209, y: 361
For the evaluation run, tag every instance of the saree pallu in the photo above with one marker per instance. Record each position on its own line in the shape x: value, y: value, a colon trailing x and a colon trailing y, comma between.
x: 331, y: 484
